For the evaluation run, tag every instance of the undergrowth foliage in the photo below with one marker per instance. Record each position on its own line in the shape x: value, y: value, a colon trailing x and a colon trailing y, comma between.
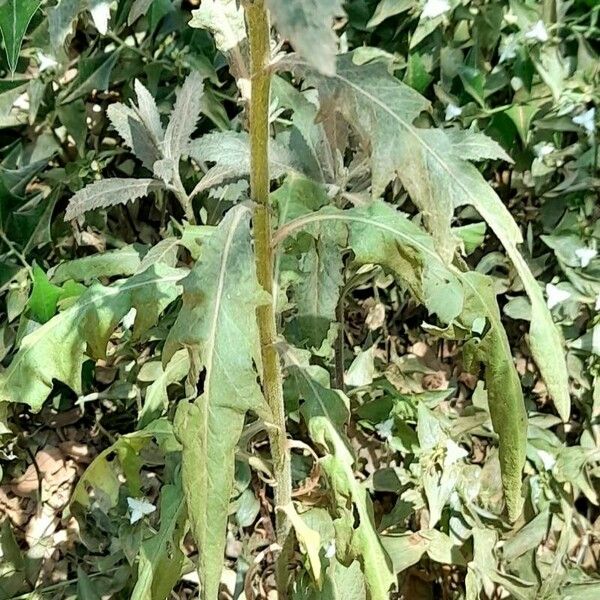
x: 330, y: 177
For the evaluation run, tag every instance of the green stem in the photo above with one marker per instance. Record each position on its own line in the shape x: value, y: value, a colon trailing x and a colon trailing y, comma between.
x: 259, y: 34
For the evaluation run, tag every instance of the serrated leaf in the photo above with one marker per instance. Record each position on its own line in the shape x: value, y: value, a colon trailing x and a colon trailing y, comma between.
x: 184, y: 117
x: 15, y: 17
x: 148, y: 112
x: 109, y: 192
x: 438, y: 180
x: 308, y: 25
x: 217, y: 324
x: 83, y: 330
x: 134, y: 133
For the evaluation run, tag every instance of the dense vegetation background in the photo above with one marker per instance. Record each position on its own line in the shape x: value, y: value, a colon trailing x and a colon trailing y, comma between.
x: 527, y: 74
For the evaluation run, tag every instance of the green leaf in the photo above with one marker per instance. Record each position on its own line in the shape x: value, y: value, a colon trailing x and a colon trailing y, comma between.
x: 217, y: 324
x: 94, y: 74
x: 506, y: 403
x: 381, y: 235
x: 124, y: 261
x: 83, y: 331
x: 230, y: 151
x: 44, y: 297
x: 15, y: 17
x: 161, y: 558
x: 184, y: 117
x: 60, y: 22
x: 128, y: 124
x: 156, y: 398
x: 438, y: 179
x: 148, y: 112
x: 356, y: 534
x: 308, y: 26
x: 389, y: 8
x: 109, y: 192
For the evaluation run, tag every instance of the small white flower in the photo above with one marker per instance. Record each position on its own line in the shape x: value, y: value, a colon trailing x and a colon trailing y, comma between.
x: 101, y: 15
x: 508, y: 48
x: 435, y: 8
x: 516, y: 83
x: 139, y: 508
x: 587, y: 120
x: 547, y: 459
x: 543, y: 149
x: 46, y: 62
x: 384, y: 429
x: 330, y: 550
x: 538, y: 32
x: 585, y: 255
x: 454, y: 453
x: 555, y: 295
x: 452, y: 111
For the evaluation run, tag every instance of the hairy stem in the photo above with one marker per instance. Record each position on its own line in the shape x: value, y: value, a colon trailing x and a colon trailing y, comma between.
x: 258, y: 32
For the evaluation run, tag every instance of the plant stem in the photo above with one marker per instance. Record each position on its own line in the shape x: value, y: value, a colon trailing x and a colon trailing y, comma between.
x: 258, y: 32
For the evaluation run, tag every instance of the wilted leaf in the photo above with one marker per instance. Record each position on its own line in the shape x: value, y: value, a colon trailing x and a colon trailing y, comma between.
x: 83, y: 330
x: 308, y: 25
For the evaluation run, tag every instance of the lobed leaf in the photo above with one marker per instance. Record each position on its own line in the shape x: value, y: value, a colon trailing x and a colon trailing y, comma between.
x: 308, y: 26
x: 109, y: 192
x: 184, y: 117
x: 217, y: 324
x: 433, y: 169
x: 381, y: 235
x: 83, y: 331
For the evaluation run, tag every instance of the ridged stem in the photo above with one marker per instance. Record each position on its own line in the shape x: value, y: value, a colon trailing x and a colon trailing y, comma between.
x: 259, y: 35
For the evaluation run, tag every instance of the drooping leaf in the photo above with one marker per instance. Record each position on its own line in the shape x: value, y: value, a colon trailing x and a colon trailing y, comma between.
x: 217, y: 324
x: 356, y: 534
x: 433, y: 170
x: 308, y: 26
x: 184, y: 117
x: 109, y: 192
x: 15, y: 16
x: 381, y: 235
x: 83, y: 330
